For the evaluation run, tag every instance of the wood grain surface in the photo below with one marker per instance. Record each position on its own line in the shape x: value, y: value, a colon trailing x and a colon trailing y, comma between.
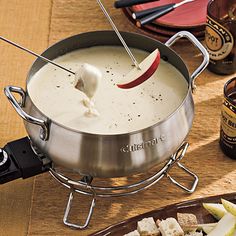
x: 25, y: 22
x: 36, y: 207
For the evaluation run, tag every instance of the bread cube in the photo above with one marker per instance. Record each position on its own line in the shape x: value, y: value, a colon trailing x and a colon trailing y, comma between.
x: 133, y: 233
x: 170, y: 227
x: 188, y: 222
x: 194, y: 234
x: 148, y: 227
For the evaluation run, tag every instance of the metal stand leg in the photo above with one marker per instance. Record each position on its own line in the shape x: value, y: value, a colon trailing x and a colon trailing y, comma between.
x: 176, y: 158
x: 195, y: 182
x: 68, y: 207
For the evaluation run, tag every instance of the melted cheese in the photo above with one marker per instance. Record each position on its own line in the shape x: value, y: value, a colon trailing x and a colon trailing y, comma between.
x: 121, y: 110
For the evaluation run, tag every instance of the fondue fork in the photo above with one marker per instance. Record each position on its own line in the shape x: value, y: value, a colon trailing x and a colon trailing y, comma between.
x: 35, y: 54
x: 129, y: 3
x: 163, y: 10
x: 119, y: 35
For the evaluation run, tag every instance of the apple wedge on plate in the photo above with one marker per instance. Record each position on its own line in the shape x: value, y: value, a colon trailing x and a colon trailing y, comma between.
x: 217, y: 210
x: 226, y: 214
x: 138, y: 75
x: 229, y: 206
x: 207, y: 228
x: 225, y: 227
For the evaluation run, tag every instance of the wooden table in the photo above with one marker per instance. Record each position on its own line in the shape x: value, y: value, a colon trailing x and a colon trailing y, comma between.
x: 35, y: 206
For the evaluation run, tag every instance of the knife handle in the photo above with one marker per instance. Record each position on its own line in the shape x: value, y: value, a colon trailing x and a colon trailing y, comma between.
x: 149, y: 18
x: 140, y: 14
x: 128, y: 3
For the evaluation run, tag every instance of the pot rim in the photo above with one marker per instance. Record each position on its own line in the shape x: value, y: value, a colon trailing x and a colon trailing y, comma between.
x: 49, y: 120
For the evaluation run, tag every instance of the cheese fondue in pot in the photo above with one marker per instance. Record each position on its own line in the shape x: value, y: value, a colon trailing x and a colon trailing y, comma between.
x: 53, y: 91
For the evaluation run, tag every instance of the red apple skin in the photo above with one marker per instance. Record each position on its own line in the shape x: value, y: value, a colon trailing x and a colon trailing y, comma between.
x: 146, y: 75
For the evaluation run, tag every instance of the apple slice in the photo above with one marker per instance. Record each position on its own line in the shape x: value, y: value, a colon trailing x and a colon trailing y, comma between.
x: 147, y: 67
x: 225, y: 227
x: 207, y: 228
x: 229, y: 206
x: 215, y: 209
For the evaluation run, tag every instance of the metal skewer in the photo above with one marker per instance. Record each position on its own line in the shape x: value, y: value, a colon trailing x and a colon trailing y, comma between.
x: 182, y: 3
x: 35, y: 54
x: 118, y: 34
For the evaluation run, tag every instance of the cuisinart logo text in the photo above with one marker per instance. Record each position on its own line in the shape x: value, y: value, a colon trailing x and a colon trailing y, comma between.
x: 143, y: 145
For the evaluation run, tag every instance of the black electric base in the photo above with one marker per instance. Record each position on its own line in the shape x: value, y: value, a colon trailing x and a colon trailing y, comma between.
x: 18, y: 160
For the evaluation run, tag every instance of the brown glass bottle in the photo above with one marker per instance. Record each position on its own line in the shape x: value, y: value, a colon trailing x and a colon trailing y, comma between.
x: 228, y: 120
x: 220, y: 36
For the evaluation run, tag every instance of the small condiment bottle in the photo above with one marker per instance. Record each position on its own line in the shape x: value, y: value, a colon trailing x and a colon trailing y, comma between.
x: 220, y: 36
x: 228, y: 120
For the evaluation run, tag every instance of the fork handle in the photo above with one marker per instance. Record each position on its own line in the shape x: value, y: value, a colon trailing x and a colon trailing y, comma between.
x: 149, y: 18
x: 140, y: 14
x: 128, y: 3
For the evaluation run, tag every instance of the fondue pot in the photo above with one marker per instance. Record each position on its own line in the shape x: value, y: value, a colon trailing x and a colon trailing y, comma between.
x: 109, y: 155
x: 50, y: 144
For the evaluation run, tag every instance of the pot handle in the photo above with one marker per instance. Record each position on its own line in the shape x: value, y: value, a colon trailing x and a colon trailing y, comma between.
x: 196, y: 43
x: 9, y: 90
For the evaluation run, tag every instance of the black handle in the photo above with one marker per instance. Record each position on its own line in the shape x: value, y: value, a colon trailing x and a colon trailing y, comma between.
x: 140, y: 14
x: 149, y: 18
x: 128, y: 3
x: 22, y: 162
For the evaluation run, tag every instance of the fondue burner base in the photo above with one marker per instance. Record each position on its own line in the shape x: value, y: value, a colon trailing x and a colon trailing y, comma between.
x: 19, y: 159
x: 85, y: 186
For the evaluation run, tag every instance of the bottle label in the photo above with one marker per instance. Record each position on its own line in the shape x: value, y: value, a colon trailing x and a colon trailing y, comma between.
x: 219, y: 41
x: 228, y: 122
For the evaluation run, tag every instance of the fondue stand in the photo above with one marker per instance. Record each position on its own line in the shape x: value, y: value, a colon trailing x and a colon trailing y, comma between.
x: 20, y: 159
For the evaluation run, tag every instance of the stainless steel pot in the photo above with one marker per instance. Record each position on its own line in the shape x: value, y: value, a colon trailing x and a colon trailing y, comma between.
x: 109, y: 155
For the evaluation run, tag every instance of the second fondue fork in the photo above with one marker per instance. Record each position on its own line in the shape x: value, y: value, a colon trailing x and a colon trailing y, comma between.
x: 119, y: 35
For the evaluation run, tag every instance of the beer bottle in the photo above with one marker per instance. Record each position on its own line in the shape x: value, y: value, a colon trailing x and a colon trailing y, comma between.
x: 220, y: 36
x: 228, y: 120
